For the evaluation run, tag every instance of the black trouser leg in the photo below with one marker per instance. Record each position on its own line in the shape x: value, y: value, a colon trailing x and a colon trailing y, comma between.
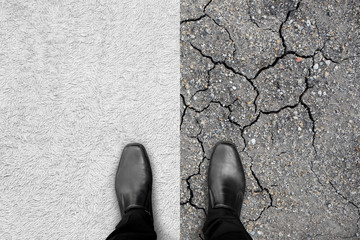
x: 224, y: 224
x: 136, y: 224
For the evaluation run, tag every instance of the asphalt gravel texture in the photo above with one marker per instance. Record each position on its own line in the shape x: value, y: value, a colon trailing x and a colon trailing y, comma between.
x: 280, y: 79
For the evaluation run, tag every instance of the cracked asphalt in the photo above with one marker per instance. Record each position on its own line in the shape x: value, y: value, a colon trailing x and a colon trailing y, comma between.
x: 280, y: 79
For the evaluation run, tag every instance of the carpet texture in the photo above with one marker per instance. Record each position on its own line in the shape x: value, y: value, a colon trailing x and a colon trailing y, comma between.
x: 78, y: 81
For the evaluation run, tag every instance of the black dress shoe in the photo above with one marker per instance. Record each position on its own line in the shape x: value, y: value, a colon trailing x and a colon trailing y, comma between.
x: 226, y: 178
x: 133, y: 181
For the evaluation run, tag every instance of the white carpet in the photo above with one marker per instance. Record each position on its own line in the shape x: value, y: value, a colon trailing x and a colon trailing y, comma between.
x: 78, y: 81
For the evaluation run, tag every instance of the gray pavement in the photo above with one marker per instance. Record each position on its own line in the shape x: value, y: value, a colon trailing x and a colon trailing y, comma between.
x: 280, y: 80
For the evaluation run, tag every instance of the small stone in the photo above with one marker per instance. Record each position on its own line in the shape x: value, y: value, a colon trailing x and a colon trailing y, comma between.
x: 327, y: 62
x: 234, y: 87
x: 319, y: 93
x: 316, y: 66
x: 253, y: 141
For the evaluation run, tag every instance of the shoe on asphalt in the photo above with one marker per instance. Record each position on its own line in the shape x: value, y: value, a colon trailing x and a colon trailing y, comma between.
x: 133, y: 182
x: 226, y: 178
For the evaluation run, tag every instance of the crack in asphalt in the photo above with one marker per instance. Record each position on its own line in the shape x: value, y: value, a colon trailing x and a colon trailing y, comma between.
x: 202, y: 90
x: 262, y: 189
x: 198, y: 18
x: 184, y: 111
x: 190, y: 200
x: 224, y: 64
x: 350, y: 202
x: 254, y: 21
x: 191, y: 192
x: 228, y: 32
x: 193, y: 19
x: 282, y: 24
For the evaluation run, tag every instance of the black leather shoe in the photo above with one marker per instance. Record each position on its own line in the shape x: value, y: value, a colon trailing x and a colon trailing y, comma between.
x: 133, y: 181
x: 226, y: 178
